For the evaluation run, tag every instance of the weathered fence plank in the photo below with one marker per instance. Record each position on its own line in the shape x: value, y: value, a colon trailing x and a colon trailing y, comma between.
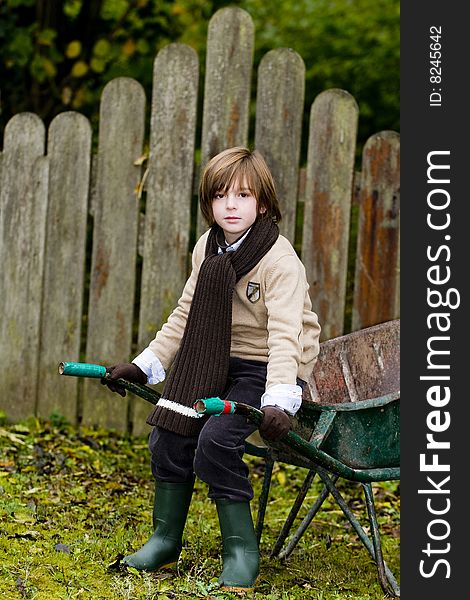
x: 23, y: 204
x: 328, y: 196
x: 229, y: 61
x: 279, y: 110
x: 169, y: 193
x: 68, y: 149
x: 377, y: 258
x: 114, y: 256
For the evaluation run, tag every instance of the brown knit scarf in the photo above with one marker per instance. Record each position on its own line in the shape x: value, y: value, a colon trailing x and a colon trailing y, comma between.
x: 200, y: 368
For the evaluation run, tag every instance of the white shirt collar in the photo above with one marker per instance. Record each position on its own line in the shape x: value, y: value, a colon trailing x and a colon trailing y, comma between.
x: 235, y: 245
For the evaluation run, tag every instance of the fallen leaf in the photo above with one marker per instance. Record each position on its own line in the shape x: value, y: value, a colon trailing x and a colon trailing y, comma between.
x: 116, y: 565
x: 26, y: 535
x: 11, y: 436
x: 33, y: 490
x: 23, y: 517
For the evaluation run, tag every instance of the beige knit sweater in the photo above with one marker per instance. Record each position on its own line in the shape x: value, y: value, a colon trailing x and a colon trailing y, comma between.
x: 277, y: 325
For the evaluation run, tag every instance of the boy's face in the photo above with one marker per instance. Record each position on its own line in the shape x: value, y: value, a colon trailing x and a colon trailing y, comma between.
x: 235, y: 210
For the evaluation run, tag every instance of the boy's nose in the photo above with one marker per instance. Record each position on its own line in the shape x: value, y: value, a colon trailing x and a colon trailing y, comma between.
x: 230, y: 201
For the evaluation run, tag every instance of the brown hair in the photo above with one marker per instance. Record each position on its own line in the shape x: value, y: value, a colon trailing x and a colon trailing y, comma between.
x: 234, y: 164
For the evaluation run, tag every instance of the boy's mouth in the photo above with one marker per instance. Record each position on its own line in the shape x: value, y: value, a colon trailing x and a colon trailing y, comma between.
x: 232, y: 219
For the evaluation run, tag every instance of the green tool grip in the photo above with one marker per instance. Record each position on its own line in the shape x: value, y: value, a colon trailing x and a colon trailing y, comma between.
x: 82, y: 369
x: 214, y: 406
x: 98, y: 372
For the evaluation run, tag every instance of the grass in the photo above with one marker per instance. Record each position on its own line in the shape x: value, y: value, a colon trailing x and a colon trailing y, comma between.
x: 72, y: 499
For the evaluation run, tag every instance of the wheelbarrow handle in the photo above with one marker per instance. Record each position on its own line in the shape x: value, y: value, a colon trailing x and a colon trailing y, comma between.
x: 78, y: 369
x: 82, y: 369
x: 217, y: 406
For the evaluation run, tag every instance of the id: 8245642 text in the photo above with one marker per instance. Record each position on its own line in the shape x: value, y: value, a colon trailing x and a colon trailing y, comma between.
x: 435, y: 69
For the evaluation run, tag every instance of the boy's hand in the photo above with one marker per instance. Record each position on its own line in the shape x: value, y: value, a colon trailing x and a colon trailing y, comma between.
x: 276, y: 423
x: 128, y: 371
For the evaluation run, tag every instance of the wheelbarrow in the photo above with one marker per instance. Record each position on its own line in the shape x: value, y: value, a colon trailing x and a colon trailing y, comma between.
x: 347, y: 427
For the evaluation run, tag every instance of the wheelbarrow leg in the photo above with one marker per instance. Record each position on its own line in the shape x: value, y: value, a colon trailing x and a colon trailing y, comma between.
x: 393, y: 589
x: 293, y: 512
x: 263, y: 499
x: 385, y: 582
x: 305, y: 522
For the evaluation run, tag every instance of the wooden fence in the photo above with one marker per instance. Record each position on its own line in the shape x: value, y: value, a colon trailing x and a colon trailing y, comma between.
x: 94, y: 249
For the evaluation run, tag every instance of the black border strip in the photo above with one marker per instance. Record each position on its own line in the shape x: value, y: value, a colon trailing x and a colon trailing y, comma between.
x: 434, y: 131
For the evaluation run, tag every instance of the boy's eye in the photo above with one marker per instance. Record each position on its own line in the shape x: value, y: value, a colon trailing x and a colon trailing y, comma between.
x: 219, y: 195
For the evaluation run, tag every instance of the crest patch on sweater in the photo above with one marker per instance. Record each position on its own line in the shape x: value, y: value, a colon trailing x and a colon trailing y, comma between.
x: 253, y: 291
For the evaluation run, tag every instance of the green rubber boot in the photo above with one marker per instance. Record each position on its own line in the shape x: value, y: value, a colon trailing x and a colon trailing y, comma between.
x: 240, y: 547
x: 170, y: 509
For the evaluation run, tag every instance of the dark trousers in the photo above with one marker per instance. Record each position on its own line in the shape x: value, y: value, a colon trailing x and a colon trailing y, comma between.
x: 216, y: 454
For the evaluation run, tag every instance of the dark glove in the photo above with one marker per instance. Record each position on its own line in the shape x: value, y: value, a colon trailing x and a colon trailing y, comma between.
x: 128, y: 371
x: 276, y: 423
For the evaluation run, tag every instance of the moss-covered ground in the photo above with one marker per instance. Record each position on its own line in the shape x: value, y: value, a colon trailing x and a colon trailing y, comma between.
x: 72, y: 499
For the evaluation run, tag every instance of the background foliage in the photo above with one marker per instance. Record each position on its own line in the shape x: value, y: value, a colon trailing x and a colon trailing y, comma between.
x: 57, y: 55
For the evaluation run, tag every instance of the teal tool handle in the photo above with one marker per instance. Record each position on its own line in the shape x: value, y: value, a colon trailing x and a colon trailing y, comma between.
x: 98, y: 372
x: 82, y: 369
x: 216, y: 406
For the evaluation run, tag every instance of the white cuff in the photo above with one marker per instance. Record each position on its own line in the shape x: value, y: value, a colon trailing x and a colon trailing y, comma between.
x: 283, y: 395
x: 151, y: 366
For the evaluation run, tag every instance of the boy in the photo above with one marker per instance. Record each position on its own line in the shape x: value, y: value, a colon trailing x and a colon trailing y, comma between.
x: 243, y: 330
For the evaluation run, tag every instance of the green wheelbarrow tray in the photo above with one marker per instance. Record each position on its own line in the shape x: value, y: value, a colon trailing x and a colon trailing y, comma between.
x: 356, y: 440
